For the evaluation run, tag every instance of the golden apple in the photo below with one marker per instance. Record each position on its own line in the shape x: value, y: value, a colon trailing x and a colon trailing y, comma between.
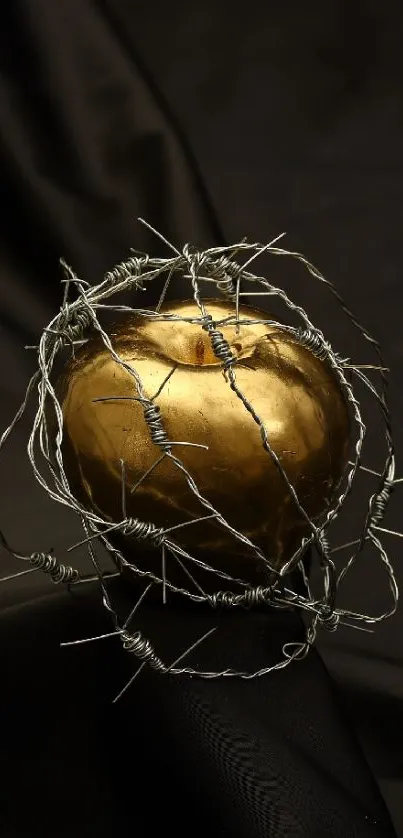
x: 295, y: 394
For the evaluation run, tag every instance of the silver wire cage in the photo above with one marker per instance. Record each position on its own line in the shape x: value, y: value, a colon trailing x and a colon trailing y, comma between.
x: 222, y: 269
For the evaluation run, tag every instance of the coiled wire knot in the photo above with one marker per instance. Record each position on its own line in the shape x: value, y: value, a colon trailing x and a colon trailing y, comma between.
x: 132, y: 268
x: 79, y: 322
x: 58, y: 572
x: 143, y: 531
x: 219, y: 344
x: 224, y: 272
x: 380, y: 502
x: 328, y: 618
x: 256, y: 596
x: 248, y: 599
x: 195, y: 258
x: 142, y: 649
x: 222, y: 599
x: 152, y: 416
x: 312, y: 341
x: 323, y: 547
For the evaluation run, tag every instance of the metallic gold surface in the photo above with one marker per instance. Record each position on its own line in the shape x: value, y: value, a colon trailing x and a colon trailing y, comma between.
x: 294, y: 393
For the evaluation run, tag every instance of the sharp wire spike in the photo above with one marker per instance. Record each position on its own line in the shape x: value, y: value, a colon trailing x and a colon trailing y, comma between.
x: 84, y: 640
x: 365, y: 367
x: 188, y: 573
x: 146, y: 473
x: 164, y: 575
x: 165, y: 381
x: 116, y: 399
x: 188, y: 523
x: 188, y: 444
x: 356, y: 627
x: 67, y: 271
x: 108, y: 634
x: 137, y: 605
x: 190, y: 649
x: 344, y: 546
x: 389, y: 532
x: 9, y: 549
x: 124, y: 505
x: 258, y: 294
x: 165, y: 289
x: 261, y: 250
x: 93, y: 537
x: 366, y: 469
x: 159, y: 236
x: 237, y: 296
x: 129, y: 683
x: 20, y: 573
x: 84, y: 580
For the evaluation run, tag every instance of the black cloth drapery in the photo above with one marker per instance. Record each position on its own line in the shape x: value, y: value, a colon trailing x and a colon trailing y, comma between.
x: 241, y: 758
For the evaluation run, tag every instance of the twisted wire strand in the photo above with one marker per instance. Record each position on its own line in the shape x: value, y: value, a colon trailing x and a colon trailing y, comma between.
x: 225, y: 272
x: 143, y: 531
x: 312, y: 341
x: 142, y: 648
x: 132, y: 268
x: 71, y: 325
x: 46, y: 562
x: 227, y: 357
x: 57, y: 571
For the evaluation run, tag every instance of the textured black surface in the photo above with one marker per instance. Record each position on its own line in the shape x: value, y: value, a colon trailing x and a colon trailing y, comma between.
x: 268, y: 757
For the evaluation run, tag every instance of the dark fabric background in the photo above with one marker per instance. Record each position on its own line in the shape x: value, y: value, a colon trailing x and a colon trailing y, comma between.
x: 213, y: 122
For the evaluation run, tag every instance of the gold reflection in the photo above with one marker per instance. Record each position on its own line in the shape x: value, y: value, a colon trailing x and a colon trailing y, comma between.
x: 295, y: 394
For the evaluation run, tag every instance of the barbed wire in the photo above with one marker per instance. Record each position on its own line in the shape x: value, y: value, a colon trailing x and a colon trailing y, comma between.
x: 219, y: 267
